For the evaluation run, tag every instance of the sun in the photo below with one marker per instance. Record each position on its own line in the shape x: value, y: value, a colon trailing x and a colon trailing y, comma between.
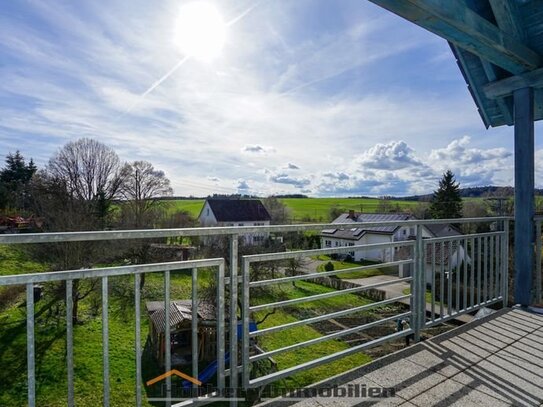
x: 200, y: 31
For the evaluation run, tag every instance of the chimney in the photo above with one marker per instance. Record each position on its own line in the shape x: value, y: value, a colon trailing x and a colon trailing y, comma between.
x: 351, y: 214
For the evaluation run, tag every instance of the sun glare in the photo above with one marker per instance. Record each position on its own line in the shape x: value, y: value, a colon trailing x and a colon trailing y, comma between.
x: 200, y: 31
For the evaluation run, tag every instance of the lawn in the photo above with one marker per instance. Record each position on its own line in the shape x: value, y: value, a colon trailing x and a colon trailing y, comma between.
x: 14, y: 260
x: 341, y: 265
x: 51, y: 334
x: 427, y: 295
x: 304, y: 333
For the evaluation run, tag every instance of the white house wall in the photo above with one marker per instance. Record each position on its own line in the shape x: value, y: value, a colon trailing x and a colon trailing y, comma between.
x: 207, y: 217
x: 458, y: 254
x: 364, y: 254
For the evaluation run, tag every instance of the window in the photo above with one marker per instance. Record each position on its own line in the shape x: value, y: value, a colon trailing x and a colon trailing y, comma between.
x: 327, y: 243
x: 405, y: 232
x: 240, y: 224
x: 207, y: 211
x: 351, y: 253
x: 258, y: 238
x: 259, y: 223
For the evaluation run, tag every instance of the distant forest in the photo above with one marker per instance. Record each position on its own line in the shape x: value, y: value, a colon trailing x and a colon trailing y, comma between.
x: 472, y: 192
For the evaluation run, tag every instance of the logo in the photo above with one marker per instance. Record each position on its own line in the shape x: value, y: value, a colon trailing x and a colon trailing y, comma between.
x: 174, y: 372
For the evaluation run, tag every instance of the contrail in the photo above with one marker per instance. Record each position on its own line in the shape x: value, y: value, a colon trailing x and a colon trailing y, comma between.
x: 243, y: 14
x: 183, y: 60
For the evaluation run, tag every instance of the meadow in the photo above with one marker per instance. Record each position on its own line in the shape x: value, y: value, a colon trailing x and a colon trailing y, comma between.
x: 305, y: 209
x: 51, y: 331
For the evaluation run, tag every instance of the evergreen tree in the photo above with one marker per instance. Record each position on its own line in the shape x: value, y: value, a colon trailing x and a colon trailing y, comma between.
x: 446, y: 201
x: 14, y: 179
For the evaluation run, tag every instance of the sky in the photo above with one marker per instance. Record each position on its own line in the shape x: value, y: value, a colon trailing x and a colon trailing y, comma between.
x: 316, y: 97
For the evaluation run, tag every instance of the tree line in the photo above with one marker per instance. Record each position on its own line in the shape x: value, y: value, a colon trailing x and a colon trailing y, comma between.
x: 84, y: 186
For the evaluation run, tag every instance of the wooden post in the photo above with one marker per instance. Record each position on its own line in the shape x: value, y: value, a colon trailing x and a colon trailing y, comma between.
x: 524, y: 194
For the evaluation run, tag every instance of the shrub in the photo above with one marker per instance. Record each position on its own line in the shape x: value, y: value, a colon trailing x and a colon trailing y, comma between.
x: 329, y: 266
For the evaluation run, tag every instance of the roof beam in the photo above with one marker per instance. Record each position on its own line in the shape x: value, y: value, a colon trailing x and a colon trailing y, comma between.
x: 505, y: 108
x: 507, y: 16
x: 506, y: 87
x: 457, y: 23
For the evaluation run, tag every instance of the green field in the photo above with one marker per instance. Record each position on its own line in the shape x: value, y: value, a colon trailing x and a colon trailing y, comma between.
x: 192, y: 206
x: 319, y: 208
x: 304, y: 209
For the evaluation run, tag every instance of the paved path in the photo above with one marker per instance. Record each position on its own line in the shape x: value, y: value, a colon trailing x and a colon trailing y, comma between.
x: 391, y: 291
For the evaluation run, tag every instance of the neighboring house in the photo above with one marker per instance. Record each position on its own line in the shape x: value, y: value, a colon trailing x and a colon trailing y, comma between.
x: 361, y: 235
x: 449, y: 252
x: 439, y: 254
x: 236, y: 212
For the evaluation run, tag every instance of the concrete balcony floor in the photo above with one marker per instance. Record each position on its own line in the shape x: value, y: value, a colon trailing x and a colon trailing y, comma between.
x: 496, y: 361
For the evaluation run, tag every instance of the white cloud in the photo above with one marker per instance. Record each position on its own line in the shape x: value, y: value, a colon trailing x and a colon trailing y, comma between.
x: 284, y: 178
x: 391, y: 156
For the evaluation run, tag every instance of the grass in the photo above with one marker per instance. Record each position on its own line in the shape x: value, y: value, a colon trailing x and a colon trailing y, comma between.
x: 192, y: 206
x: 316, y: 209
x: 341, y: 265
x: 51, y: 337
x: 304, y: 333
x: 319, y: 208
x: 427, y: 295
x: 14, y: 260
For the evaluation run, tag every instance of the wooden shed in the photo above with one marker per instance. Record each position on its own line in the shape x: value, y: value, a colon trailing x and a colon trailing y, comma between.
x: 181, y: 331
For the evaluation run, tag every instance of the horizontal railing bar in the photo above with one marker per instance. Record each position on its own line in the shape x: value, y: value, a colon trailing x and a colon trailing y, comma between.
x: 107, y: 271
x: 463, y: 312
x: 23, y: 238
x: 462, y: 237
x: 328, y: 337
x: 253, y: 258
x: 330, y: 294
x: 261, y: 381
x: 327, y: 273
x: 319, y: 318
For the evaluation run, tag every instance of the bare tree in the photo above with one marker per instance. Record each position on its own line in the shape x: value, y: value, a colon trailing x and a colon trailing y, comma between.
x: 279, y: 212
x: 87, y: 168
x: 141, y: 187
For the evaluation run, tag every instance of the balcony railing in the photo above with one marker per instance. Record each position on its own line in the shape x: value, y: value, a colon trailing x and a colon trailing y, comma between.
x: 450, y: 276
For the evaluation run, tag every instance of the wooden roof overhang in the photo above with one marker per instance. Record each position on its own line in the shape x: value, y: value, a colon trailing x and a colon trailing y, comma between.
x: 498, y: 45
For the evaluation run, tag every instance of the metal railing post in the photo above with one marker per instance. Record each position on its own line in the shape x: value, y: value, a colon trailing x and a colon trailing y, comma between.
x: 137, y: 336
x: 70, y: 342
x: 30, y: 346
x: 194, y: 325
x: 419, y: 306
x: 233, y: 319
x: 505, y: 264
x: 537, y: 290
x: 245, y: 316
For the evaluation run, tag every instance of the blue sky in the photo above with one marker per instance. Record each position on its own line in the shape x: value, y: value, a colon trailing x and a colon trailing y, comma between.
x: 312, y: 96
